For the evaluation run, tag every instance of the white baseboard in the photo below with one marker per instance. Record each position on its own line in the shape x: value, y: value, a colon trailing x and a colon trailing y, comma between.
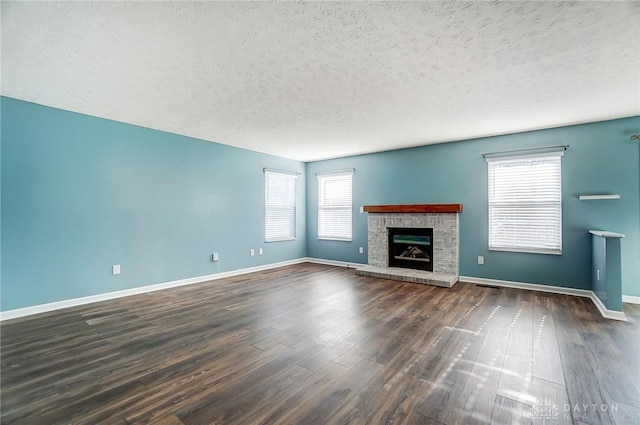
x: 630, y: 299
x: 609, y: 314
x: 528, y: 286
x: 333, y: 262
x: 74, y: 302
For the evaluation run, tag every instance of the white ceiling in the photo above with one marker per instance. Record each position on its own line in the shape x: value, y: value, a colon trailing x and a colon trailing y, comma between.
x: 317, y: 80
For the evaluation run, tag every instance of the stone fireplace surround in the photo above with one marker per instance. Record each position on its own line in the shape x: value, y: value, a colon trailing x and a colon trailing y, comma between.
x: 443, y: 219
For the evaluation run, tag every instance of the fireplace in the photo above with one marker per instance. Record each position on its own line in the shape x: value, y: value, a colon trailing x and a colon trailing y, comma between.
x: 415, y: 243
x: 411, y: 248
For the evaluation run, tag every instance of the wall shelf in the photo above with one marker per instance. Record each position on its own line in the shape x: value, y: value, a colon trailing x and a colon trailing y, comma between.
x: 597, y: 197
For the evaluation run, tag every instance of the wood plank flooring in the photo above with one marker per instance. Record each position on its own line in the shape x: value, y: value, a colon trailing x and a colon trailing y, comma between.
x: 314, y: 344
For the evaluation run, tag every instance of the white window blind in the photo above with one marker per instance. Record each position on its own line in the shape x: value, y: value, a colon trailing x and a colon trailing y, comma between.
x: 279, y: 206
x: 335, y: 206
x: 525, y: 203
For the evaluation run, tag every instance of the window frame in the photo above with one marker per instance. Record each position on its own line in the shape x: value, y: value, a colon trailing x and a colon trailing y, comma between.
x: 270, y: 205
x: 322, y: 207
x: 552, y: 246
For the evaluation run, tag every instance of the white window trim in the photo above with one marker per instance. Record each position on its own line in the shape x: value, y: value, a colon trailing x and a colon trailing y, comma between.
x: 282, y: 174
x: 528, y: 251
x: 349, y: 208
x: 524, y: 249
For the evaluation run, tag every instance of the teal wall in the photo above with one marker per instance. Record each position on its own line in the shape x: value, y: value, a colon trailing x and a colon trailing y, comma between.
x: 601, y: 159
x: 606, y: 276
x: 80, y: 194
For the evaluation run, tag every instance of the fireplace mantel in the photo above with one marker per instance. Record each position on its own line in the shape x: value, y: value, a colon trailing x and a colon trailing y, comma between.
x: 414, y: 208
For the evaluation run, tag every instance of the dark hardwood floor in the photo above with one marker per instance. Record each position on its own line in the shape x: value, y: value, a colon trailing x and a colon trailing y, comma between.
x: 313, y: 344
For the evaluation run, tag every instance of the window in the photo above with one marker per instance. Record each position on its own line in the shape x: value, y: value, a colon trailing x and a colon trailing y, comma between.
x: 279, y: 206
x: 525, y: 203
x: 334, y: 206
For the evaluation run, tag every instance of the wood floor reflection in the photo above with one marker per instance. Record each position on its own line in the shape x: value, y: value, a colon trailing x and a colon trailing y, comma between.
x: 314, y: 344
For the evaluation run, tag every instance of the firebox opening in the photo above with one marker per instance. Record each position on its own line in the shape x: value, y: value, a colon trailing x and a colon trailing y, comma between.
x: 411, y: 248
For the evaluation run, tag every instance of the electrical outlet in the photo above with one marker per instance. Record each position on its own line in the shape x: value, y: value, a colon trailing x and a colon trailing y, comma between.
x: 115, y: 269
x: 214, y: 256
x: 361, y: 250
x: 597, y: 274
x: 480, y: 259
x: 260, y: 251
x: 252, y: 252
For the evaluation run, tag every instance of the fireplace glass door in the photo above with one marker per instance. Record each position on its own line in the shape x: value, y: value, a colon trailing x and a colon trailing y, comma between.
x: 411, y: 248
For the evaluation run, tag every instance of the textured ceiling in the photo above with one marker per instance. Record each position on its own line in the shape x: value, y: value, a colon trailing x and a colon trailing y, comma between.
x: 326, y: 79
